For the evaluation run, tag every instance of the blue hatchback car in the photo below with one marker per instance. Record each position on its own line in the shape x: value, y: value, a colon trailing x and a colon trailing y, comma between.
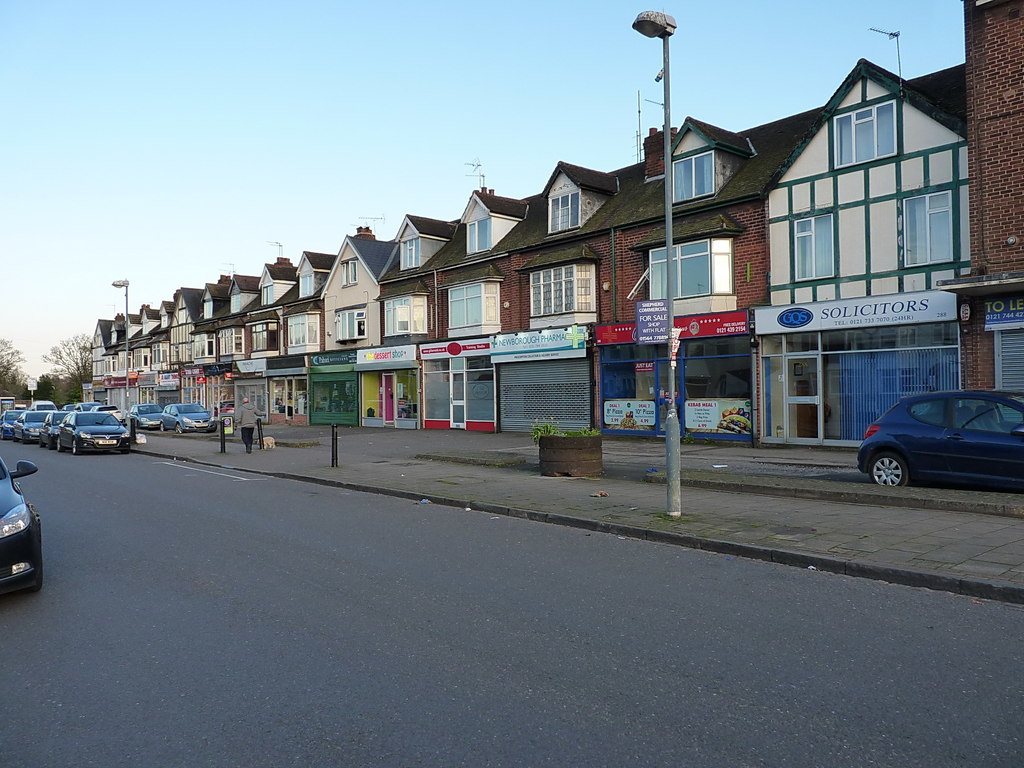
x: 7, y: 423
x: 973, y: 437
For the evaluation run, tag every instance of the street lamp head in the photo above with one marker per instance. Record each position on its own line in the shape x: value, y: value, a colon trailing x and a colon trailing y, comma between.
x: 120, y: 284
x: 655, y: 24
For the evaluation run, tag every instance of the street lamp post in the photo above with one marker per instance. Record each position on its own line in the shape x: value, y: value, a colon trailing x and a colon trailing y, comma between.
x: 657, y: 24
x: 127, y: 351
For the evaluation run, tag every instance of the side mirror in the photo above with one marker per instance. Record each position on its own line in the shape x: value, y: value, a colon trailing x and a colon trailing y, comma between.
x: 1018, y: 431
x: 24, y: 468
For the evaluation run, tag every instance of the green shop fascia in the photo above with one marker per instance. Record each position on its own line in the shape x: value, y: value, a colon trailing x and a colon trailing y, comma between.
x: 334, y: 388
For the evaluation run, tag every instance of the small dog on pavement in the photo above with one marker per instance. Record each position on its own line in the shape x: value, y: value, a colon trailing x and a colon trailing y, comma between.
x: 268, y: 443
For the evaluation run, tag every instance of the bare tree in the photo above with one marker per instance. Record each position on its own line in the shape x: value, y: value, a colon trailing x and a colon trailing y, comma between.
x: 12, y: 378
x: 71, y: 359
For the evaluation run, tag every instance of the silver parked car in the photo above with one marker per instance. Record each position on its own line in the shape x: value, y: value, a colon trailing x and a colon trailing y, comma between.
x: 187, y: 417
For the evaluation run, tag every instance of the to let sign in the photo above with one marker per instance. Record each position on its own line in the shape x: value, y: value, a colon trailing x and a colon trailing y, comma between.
x: 652, y: 321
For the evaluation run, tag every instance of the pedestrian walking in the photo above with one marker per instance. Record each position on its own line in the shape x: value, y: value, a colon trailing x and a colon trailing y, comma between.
x: 246, y: 417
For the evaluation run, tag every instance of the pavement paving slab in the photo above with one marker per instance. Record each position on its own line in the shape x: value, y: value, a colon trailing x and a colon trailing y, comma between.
x: 963, y: 541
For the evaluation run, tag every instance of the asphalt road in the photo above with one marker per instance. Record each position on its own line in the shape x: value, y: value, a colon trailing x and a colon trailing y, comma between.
x: 200, y: 617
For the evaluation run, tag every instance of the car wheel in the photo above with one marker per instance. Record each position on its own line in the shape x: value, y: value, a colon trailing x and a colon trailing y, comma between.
x: 163, y: 427
x: 60, y: 448
x: 75, y: 451
x: 51, y: 444
x: 890, y: 469
x: 178, y: 429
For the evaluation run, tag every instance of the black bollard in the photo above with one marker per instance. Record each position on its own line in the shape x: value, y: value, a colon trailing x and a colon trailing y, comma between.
x: 223, y: 427
x: 334, y: 445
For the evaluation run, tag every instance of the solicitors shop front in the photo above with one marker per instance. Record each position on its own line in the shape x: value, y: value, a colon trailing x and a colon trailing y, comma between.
x: 829, y: 369
x: 334, y: 388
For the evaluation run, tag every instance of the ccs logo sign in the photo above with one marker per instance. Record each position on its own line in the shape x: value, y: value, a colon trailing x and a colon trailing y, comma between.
x: 797, y: 317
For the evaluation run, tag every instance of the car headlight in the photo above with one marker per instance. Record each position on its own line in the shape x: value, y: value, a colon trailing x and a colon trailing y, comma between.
x: 186, y: 419
x: 15, y: 521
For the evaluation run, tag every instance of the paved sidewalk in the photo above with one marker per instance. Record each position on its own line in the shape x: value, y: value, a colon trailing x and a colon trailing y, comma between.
x: 777, y: 504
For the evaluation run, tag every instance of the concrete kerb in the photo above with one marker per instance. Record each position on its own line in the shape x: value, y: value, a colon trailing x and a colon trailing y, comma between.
x: 847, y: 493
x: 971, y: 587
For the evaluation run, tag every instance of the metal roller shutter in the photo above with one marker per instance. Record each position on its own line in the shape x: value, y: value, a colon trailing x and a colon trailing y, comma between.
x: 554, y: 389
x: 1010, y: 360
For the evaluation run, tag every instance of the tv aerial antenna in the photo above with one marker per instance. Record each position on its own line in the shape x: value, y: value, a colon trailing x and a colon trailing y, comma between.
x: 476, y: 165
x: 365, y: 220
x: 899, y: 64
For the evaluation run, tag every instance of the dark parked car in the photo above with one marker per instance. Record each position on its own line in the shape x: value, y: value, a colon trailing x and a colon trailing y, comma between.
x: 21, y: 541
x: 972, y: 437
x: 26, y: 428
x: 7, y: 422
x: 92, y: 431
x: 50, y: 428
x: 145, y: 415
x: 187, y: 417
x: 87, y: 406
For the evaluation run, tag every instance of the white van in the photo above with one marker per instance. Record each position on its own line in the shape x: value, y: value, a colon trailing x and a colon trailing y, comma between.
x: 43, y: 405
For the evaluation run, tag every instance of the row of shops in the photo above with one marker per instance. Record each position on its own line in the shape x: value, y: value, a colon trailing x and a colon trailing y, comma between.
x: 815, y: 373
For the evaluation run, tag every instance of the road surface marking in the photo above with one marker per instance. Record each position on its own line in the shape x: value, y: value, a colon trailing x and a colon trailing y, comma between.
x: 194, y: 468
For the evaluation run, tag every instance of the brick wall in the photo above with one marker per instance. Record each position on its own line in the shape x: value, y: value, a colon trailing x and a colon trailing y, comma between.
x: 994, y: 37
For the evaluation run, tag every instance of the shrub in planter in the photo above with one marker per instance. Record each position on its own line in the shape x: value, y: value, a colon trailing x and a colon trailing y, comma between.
x: 568, y: 453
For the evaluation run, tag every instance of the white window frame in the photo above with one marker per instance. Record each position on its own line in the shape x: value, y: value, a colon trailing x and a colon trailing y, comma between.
x: 232, y: 341
x: 410, y: 253
x: 208, y: 308
x: 303, y: 330
x: 350, y: 272
x: 714, y: 280
x: 267, y: 294
x: 350, y: 324
x: 937, y: 207
x: 685, y: 182
x: 404, y: 316
x: 236, y: 301
x: 863, y: 123
x: 472, y: 305
x: 564, y: 212
x: 306, y: 284
x: 813, y: 232
x: 478, y: 235
x: 563, y: 289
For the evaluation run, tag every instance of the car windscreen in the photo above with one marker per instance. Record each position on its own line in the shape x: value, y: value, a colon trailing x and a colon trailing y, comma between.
x: 148, y: 409
x: 97, y: 419
x: 35, y: 415
x: 191, y: 408
x: 11, y: 416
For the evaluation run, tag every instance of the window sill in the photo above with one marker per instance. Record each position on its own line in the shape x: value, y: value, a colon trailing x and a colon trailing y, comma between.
x: 540, y: 322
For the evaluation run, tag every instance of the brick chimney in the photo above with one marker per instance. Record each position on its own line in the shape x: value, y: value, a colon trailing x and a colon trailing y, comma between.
x: 283, y: 261
x: 654, y: 154
x: 365, y: 233
x: 224, y: 280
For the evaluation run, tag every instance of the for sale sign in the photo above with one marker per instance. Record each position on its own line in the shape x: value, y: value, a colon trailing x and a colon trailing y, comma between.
x: 653, y: 320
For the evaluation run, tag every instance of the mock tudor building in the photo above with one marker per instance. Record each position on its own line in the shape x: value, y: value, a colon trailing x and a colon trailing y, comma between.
x: 868, y: 215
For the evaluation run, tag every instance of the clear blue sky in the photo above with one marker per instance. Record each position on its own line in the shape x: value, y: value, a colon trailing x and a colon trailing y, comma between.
x: 167, y: 142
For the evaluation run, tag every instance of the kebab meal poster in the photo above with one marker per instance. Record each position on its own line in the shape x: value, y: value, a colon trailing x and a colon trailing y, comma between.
x: 727, y: 416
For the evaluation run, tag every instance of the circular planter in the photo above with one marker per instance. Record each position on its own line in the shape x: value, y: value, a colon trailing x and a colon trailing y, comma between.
x: 570, y: 456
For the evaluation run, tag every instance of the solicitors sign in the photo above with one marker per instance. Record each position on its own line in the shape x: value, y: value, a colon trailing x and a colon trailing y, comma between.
x: 890, y: 309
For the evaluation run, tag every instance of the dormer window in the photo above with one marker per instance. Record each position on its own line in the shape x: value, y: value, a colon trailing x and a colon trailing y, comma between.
x: 565, y: 212
x: 865, y: 134
x: 267, y: 294
x: 208, y: 308
x: 236, y: 302
x: 306, y: 284
x: 410, y: 253
x: 694, y: 176
x: 478, y: 236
